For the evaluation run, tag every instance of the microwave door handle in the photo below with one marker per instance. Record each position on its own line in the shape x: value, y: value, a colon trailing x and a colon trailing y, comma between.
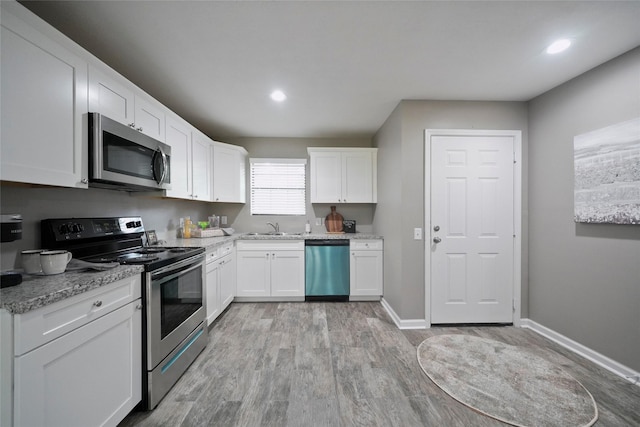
x: 164, y: 166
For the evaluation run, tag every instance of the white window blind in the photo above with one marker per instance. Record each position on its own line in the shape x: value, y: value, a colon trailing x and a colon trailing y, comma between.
x: 278, y: 186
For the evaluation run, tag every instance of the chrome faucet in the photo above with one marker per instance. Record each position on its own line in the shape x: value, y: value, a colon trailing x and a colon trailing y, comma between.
x: 275, y: 227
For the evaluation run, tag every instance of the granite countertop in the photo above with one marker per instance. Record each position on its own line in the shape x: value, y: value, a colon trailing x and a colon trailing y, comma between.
x: 214, y: 242
x: 37, y: 291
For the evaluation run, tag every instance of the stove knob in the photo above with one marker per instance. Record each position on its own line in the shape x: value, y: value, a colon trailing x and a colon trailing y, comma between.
x: 130, y: 224
x: 77, y: 228
x: 138, y: 224
x: 63, y: 229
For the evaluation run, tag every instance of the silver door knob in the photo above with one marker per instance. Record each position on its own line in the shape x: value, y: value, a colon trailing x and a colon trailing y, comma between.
x: 437, y: 240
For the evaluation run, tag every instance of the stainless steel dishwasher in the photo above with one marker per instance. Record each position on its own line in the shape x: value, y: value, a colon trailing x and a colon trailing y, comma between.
x: 327, y: 270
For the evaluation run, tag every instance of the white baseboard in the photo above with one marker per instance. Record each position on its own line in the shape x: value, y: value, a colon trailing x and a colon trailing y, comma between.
x: 584, y: 351
x: 400, y: 323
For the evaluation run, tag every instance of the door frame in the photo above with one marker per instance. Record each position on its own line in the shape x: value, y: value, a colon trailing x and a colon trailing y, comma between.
x: 517, y: 212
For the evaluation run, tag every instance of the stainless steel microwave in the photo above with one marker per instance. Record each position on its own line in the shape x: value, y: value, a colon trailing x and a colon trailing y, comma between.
x: 123, y: 158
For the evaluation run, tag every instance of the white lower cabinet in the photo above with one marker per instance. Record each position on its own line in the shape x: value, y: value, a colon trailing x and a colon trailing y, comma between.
x: 270, y: 269
x: 90, y: 376
x: 366, y: 263
x: 221, y: 281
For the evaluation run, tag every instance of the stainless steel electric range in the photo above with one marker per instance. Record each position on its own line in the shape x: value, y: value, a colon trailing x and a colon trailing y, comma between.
x: 174, y: 331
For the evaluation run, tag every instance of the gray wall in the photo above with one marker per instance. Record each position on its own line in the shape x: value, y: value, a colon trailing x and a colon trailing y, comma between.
x: 584, y: 279
x: 296, y: 148
x: 401, y: 161
x: 36, y: 203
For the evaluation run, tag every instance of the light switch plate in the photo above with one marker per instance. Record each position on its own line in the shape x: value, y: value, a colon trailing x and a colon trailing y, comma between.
x: 318, y: 221
x: 417, y: 234
x: 223, y: 220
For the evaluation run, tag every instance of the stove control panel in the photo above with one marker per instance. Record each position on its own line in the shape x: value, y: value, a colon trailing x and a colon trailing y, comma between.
x: 72, y: 229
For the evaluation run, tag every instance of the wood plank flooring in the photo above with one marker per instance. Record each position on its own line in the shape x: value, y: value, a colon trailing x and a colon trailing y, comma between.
x: 343, y: 364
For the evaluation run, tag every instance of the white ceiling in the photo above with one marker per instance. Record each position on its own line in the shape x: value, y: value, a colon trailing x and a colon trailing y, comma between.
x: 344, y: 65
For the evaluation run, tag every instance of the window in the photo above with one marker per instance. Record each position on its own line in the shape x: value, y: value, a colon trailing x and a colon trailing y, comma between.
x: 278, y: 186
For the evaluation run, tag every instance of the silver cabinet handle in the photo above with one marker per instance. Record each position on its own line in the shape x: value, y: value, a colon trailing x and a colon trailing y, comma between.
x: 98, y: 303
x: 437, y: 240
x: 132, y: 125
x: 139, y: 129
x: 84, y: 181
x: 436, y: 228
x: 139, y: 307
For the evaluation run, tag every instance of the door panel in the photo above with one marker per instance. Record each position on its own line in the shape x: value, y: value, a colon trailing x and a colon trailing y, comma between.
x: 472, y: 205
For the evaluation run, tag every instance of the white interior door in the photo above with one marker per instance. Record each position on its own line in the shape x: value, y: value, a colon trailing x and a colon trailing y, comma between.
x: 472, y: 228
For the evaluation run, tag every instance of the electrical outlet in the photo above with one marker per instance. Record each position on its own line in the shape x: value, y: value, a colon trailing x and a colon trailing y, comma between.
x: 417, y: 234
x: 223, y: 220
x: 318, y: 221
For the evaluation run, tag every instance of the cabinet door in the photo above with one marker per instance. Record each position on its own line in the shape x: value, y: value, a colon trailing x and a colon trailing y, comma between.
x: 149, y: 118
x: 228, y: 174
x: 212, y: 291
x: 366, y: 273
x: 91, y: 376
x: 43, y: 109
x: 357, y: 177
x: 326, y: 177
x: 178, y: 136
x: 201, y: 166
x: 287, y: 273
x: 227, y: 280
x: 253, y: 274
x: 110, y: 97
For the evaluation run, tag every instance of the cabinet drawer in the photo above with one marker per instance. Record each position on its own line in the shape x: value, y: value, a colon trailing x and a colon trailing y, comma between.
x: 219, y: 252
x: 270, y: 245
x: 212, y: 255
x: 37, y: 327
x: 366, y: 245
x: 226, y: 249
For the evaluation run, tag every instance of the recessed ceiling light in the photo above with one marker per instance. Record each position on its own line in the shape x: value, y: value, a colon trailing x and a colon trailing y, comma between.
x: 278, y: 96
x: 558, y: 46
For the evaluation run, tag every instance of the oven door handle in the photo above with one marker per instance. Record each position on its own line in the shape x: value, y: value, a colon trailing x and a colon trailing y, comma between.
x: 176, y: 270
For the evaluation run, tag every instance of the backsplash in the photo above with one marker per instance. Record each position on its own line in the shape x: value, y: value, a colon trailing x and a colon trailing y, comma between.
x: 36, y: 203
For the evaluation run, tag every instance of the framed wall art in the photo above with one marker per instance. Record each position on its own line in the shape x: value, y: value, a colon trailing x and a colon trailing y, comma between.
x: 607, y: 174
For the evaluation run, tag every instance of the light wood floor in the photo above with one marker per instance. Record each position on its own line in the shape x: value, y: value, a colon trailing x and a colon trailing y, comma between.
x: 343, y: 364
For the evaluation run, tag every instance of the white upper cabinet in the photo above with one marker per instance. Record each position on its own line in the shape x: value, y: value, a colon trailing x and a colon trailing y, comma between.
x: 44, y: 105
x: 190, y: 161
x: 149, y: 117
x: 229, y: 173
x: 343, y: 175
x: 111, y: 97
x: 116, y: 98
x: 178, y: 136
x: 201, y: 166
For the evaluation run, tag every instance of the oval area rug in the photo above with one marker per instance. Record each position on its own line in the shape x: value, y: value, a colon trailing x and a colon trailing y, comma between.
x: 506, y: 382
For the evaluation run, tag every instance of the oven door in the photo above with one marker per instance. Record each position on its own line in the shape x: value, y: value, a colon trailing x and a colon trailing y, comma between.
x: 175, y: 306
